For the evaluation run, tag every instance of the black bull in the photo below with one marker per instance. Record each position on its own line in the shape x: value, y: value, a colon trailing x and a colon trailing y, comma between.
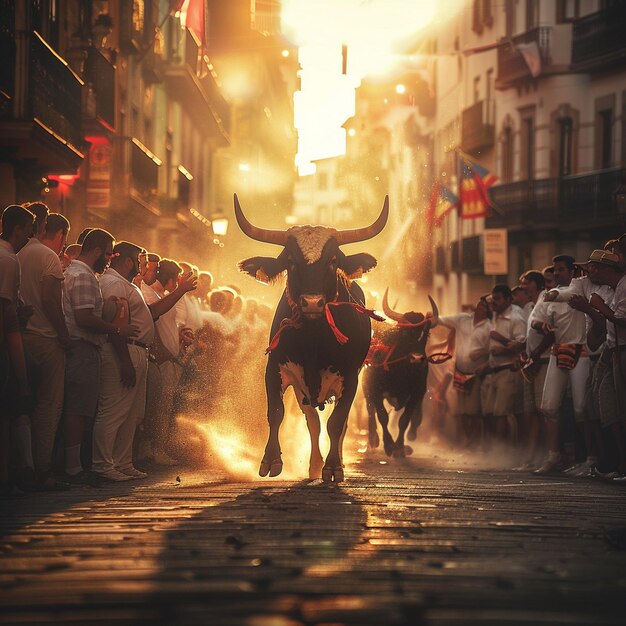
x: 320, y: 335
x: 397, y: 372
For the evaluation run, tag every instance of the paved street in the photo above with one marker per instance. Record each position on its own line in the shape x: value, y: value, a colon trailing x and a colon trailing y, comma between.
x: 397, y: 543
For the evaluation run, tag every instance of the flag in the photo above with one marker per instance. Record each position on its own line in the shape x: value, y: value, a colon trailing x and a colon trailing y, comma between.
x: 442, y: 201
x: 532, y: 57
x: 192, y: 16
x: 474, y: 197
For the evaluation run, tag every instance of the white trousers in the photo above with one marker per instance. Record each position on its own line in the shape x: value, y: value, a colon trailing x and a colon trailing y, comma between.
x: 555, y: 387
x: 120, y: 410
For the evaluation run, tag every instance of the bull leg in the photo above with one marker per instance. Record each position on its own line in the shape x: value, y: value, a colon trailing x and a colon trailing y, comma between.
x: 373, y: 440
x: 337, y: 422
x: 412, y: 409
x: 272, y: 463
x: 314, y: 427
x: 383, y: 418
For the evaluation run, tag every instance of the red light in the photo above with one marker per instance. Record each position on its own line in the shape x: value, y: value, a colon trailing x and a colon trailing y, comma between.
x: 64, y: 179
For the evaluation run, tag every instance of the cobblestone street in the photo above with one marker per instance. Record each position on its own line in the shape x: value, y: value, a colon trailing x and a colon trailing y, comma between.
x: 394, y: 544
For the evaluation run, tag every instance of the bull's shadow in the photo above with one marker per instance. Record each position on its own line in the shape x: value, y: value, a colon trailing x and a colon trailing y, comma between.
x: 251, y: 555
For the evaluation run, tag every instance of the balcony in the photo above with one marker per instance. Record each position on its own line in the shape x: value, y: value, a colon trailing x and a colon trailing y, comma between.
x: 190, y: 80
x: 553, y: 45
x: 7, y: 52
x: 590, y: 198
x: 100, y: 73
x: 598, y: 40
x: 144, y: 176
x: 467, y: 255
x: 42, y: 121
x: 477, y: 128
x: 525, y: 203
x: 583, y: 202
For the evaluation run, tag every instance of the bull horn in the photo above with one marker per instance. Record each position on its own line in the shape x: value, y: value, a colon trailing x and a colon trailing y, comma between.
x: 435, y: 319
x: 389, y: 312
x: 279, y: 237
x: 353, y: 235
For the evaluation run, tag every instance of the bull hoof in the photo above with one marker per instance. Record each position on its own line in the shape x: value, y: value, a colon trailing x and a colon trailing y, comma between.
x: 273, y: 468
x: 315, y: 469
x: 408, y: 451
x: 389, y: 447
x: 412, y: 434
x: 333, y: 474
x: 399, y: 452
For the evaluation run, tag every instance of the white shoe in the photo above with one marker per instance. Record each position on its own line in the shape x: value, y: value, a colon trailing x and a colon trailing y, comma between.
x: 114, y: 476
x: 133, y: 472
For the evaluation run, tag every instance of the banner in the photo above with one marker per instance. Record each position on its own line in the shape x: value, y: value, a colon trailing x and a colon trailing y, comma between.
x: 496, y: 251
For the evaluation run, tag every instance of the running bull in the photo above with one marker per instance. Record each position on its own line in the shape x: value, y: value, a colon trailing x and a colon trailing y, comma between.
x: 397, y: 370
x: 320, y: 334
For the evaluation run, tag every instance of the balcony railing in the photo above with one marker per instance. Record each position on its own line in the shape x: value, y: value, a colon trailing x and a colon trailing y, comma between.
x: 189, y: 78
x: 580, y: 201
x: 54, y: 91
x: 525, y: 203
x: 591, y: 196
x: 478, y: 130
x: 144, y: 170
x: 511, y: 63
x: 598, y: 39
x: 100, y: 72
x: 7, y: 53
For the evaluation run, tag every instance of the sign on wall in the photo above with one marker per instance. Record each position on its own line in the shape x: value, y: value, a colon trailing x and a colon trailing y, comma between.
x: 496, y: 251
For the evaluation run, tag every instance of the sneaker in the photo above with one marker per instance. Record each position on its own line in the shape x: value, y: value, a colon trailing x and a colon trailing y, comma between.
x: 133, y: 472
x: 552, y: 465
x: 114, y: 476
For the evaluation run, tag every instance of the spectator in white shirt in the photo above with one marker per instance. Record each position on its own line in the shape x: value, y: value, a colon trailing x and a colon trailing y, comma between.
x: 46, y: 336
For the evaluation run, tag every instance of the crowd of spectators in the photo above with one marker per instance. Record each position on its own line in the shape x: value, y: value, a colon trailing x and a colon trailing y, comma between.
x: 103, y: 344
x: 541, y: 368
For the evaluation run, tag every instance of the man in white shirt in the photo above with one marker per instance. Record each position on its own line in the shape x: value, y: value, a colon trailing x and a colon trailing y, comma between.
x: 506, y: 340
x: 122, y: 398
x: 466, y: 382
x: 46, y: 337
x: 82, y: 305
x: 569, y: 363
x: 577, y: 295
x: 535, y: 368
x: 612, y: 319
x: 168, y: 288
x: 15, y: 393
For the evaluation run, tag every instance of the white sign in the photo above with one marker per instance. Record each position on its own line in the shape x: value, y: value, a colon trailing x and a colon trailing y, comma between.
x: 496, y: 251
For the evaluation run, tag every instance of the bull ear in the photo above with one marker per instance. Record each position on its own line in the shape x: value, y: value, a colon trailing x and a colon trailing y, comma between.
x: 355, y: 265
x: 264, y: 268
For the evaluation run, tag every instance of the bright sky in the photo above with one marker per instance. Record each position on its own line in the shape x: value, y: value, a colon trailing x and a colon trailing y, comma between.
x: 369, y: 29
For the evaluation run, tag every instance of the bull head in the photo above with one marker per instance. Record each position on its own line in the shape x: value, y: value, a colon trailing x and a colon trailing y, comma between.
x: 412, y: 318
x: 311, y: 257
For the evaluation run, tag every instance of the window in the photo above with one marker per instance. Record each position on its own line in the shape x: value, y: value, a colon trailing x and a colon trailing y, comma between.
x: 604, y: 134
x: 567, y: 10
x: 507, y: 155
x: 489, y: 113
x: 510, y: 17
x: 566, y: 132
x: 527, y: 146
x: 476, y: 89
x: 532, y: 14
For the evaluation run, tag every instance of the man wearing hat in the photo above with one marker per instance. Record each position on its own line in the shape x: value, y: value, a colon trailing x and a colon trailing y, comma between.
x: 610, y: 317
x: 577, y: 295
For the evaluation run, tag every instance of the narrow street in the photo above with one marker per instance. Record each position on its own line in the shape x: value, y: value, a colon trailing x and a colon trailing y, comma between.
x: 398, y: 543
